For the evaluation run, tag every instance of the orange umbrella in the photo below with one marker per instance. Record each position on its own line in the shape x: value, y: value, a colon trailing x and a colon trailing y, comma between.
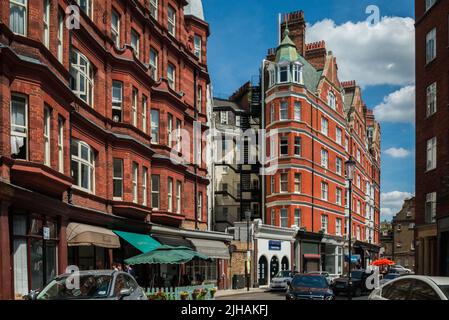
x: 383, y: 262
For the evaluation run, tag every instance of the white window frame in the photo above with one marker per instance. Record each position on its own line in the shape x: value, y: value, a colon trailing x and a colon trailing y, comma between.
x: 431, y: 45
x: 338, y: 224
x: 20, y: 131
x: 199, y: 101
x: 273, y: 184
x: 154, y: 9
x: 324, y: 126
x: 429, y: 4
x: 135, y: 182
x: 90, y: 5
x: 169, y: 129
x: 283, y: 111
x: 297, y: 182
x: 117, y: 102
x: 144, y: 113
x: 61, y: 145
x: 331, y: 100
x: 283, y: 142
x: 46, y: 22
x: 272, y: 113
x: 178, y: 135
x: 338, y: 135
x: 283, y: 69
x: 155, y: 192
x: 115, y: 29
x: 324, y: 158
x: 297, y: 110
x: 117, y: 178
x: 297, y: 217
x: 155, y: 121
x: 200, y: 206
x: 198, y: 42
x: 283, y: 216
x: 431, y: 97
x: 135, y: 42
x: 178, y: 196
x: 431, y: 162
x: 171, y: 21
x: 61, y: 27
x: 338, y: 196
x: 89, y: 163
x: 273, y: 217
x: 297, y: 146
x: 135, y: 101
x: 153, y: 63
x: 283, y: 182
x: 82, y: 71
x: 170, y: 194
x: 224, y: 117
x: 47, y: 136
x: 325, y: 223
x: 430, y: 216
x: 324, y: 191
x: 338, y: 165
x: 171, y: 76
x: 144, y: 186
x: 15, y: 3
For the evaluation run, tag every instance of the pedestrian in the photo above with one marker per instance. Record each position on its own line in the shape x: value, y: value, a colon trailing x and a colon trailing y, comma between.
x: 130, y: 270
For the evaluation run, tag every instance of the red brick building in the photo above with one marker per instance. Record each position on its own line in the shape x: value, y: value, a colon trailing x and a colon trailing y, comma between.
x: 86, y: 122
x: 321, y: 122
x: 432, y: 157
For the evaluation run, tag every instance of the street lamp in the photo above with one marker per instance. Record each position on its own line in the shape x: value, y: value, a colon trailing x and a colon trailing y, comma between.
x: 350, y: 168
x: 248, y: 219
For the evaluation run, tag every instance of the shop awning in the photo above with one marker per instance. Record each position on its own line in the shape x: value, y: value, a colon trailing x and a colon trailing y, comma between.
x: 212, y: 248
x: 142, y: 242
x: 79, y: 234
x: 167, y: 255
x: 312, y: 256
x: 173, y: 241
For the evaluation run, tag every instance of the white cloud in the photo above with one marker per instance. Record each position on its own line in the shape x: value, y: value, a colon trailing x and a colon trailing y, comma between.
x: 397, y: 152
x: 370, y: 54
x: 391, y: 202
x: 398, y: 106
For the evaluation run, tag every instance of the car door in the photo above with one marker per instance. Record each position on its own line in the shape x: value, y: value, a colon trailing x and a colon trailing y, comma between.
x: 137, y: 292
x: 423, y: 291
x: 397, y: 290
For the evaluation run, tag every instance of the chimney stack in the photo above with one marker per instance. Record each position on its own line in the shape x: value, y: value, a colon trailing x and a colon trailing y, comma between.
x: 297, y: 27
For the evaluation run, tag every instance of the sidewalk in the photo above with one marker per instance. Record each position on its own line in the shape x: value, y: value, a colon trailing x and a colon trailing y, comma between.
x: 231, y: 292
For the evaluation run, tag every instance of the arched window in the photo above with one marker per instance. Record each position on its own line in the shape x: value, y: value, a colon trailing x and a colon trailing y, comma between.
x: 83, y: 165
x: 82, y: 77
x: 285, y: 264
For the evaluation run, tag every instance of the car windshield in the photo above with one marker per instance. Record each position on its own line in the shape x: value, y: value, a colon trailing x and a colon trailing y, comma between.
x: 356, y: 274
x: 90, y: 287
x: 391, y: 276
x: 284, y: 274
x: 310, y: 282
x: 445, y: 290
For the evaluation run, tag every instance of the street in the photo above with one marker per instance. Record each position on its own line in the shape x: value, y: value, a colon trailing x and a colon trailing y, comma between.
x: 268, y: 295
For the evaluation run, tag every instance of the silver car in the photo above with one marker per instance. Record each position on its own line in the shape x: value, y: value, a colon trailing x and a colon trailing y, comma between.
x: 87, y: 285
x: 281, y: 280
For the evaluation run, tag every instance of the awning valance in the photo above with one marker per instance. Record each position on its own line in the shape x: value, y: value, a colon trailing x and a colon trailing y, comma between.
x: 173, y: 241
x: 167, y: 255
x: 211, y: 248
x: 79, y: 234
x: 142, y: 242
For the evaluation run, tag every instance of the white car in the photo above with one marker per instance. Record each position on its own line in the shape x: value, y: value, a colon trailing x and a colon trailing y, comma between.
x: 400, y: 269
x: 413, y: 288
x: 330, y: 278
x: 281, y: 280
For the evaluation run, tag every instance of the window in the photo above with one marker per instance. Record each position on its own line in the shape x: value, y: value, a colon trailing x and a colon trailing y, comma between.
x: 297, y: 217
x: 338, y: 165
x: 347, y: 144
x: 431, y: 153
x: 358, y: 181
x: 431, y: 207
x: 171, y: 21
x: 144, y: 186
x: 359, y: 155
x: 296, y: 70
x: 324, y: 191
x: 338, y: 135
x: 178, y: 196
x: 169, y: 129
x: 272, y: 184
x: 61, y: 145
x: 171, y: 74
x: 153, y: 63
x: 423, y: 291
x: 117, y: 179
x: 338, y: 227
x: 324, y: 126
x: 338, y: 196
x: 359, y: 207
x: 297, y: 107
x: 135, y: 182
x: 155, y: 188
x: 154, y: 126
x: 199, y: 99
x: 47, y: 129
x: 19, y: 127
x: 86, y: 6
x: 200, y: 206
x: 398, y: 290
x: 61, y: 27
x: 283, y: 74
x: 284, y: 218
x: 153, y: 8
x: 117, y: 100
x: 284, y: 183
x: 272, y: 113
x: 284, y: 146
x: 178, y: 135
x: 431, y: 45
x: 134, y: 106
x: 283, y: 111
x: 429, y: 4
x: 431, y: 99
x: 297, y: 146
x: 82, y: 77
x: 170, y: 195
x: 331, y: 100
x: 324, y: 158
x: 135, y: 42
x: 237, y: 121
x: 358, y: 233
x: 83, y: 165
x: 144, y: 113
x: 223, y: 117
x: 297, y: 183
x: 197, y: 46
x: 115, y: 28
x: 324, y: 223
x: 47, y: 23
x: 273, y: 217
x: 18, y: 16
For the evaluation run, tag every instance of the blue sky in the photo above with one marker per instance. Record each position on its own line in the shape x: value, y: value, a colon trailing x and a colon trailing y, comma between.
x: 243, y: 30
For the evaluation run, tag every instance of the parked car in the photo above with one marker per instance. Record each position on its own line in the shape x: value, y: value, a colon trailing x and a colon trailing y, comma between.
x: 399, y: 269
x: 279, y: 282
x: 97, y: 284
x: 411, y: 287
x: 388, y: 277
x: 358, y: 278
x: 330, y: 278
x: 309, y: 287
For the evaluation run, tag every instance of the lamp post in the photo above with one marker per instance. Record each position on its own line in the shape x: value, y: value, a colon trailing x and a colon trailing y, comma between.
x: 350, y: 167
x: 248, y: 219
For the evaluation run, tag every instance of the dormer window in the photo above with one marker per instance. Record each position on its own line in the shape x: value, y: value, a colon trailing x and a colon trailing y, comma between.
x: 331, y: 100
x: 283, y: 74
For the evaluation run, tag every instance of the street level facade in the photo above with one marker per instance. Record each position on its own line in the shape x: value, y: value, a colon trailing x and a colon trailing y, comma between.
x: 432, y: 158
x: 87, y: 121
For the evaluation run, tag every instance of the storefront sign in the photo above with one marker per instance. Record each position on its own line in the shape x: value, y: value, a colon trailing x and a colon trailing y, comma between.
x: 275, y: 245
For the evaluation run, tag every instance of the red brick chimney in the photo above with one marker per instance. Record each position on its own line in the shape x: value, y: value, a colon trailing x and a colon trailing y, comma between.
x: 316, y: 54
x: 297, y: 27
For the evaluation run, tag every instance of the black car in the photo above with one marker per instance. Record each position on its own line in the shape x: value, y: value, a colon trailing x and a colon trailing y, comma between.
x: 358, y: 278
x: 309, y: 287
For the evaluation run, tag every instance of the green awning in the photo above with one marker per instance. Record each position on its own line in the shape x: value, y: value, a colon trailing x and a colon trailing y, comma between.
x: 142, y: 242
x: 167, y: 255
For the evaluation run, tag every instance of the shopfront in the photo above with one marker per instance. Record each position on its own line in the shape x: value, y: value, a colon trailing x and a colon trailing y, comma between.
x: 332, y: 255
x: 309, y: 244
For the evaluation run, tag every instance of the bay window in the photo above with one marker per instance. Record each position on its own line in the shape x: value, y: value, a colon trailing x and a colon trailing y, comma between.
x: 46, y: 21
x: 170, y: 194
x: 297, y: 217
x: 117, y: 179
x: 135, y: 176
x: 117, y: 100
x: 284, y: 182
x: 284, y: 146
x: 171, y: 21
x: 284, y: 218
x: 83, y: 165
x: 47, y: 129
x: 153, y: 8
x: 135, y: 99
x: 135, y: 42
x: 115, y: 28
x: 324, y: 223
x: 144, y: 186
x: 297, y: 183
x: 298, y: 146
x: 61, y: 145
x: 324, y: 126
x: 82, y: 77
x: 144, y: 113
x: 200, y: 206
x: 297, y: 110
x: 197, y: 46
x: 283, y: 74
x: 19, y: 127
x: 86, y: 6
x: 283, y: 111
x: 178, y: 196
x: 18, y: 16
x: 155, y: 189
x: 154, y: 126
x: 171, y: 76
x: 169, y: 130
x: 153, y: 63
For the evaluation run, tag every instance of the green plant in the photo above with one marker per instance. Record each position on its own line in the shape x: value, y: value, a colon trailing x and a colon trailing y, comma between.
x: 212, y: 292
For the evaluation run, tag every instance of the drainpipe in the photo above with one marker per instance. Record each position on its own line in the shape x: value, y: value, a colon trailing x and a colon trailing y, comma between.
x: 262, y: 92
x: 195, y: 165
